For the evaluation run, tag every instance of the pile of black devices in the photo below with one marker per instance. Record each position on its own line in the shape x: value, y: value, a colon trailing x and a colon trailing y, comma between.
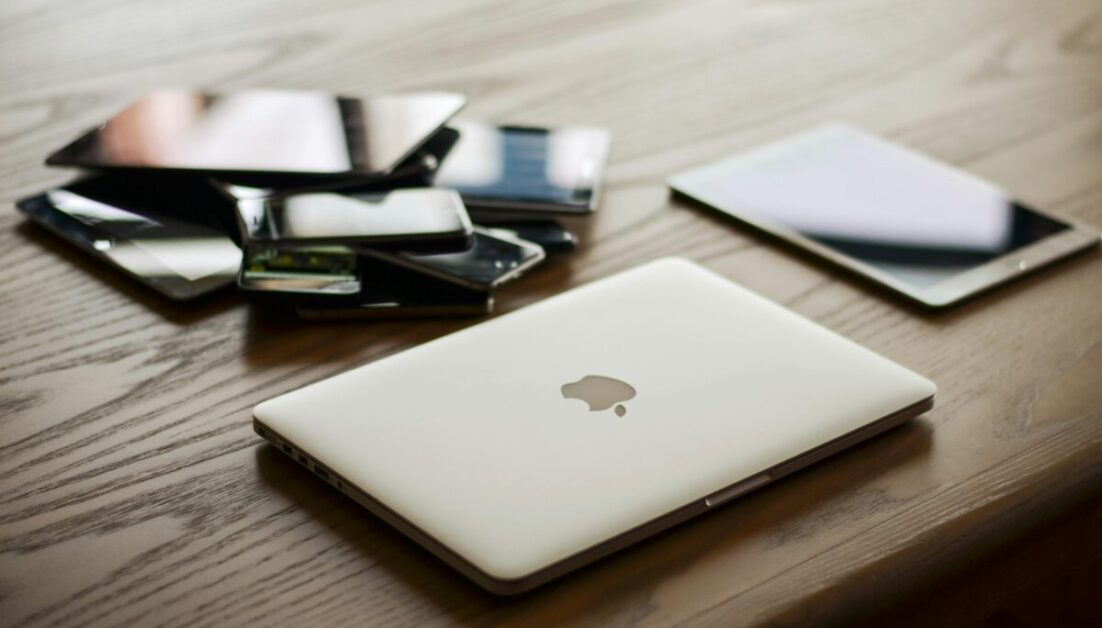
x: 341, y: 207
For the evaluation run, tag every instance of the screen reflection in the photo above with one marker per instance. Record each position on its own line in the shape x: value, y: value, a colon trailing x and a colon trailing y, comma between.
x: 509, y: 163
x: 174, y: 241
x: 313, y: 133
x: 488, y: 261
x: 903, y: 213
x: 369, y: 216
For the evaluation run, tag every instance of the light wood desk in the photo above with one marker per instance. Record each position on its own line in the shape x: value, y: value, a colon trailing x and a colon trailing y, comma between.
x: 133, y: 491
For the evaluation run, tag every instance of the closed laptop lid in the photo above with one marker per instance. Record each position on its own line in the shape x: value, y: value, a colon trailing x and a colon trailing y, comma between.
x: 479, y: 438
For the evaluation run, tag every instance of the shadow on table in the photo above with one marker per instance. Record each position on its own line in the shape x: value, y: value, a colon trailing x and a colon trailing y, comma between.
x: 779, y: 514
x: 274, y: 334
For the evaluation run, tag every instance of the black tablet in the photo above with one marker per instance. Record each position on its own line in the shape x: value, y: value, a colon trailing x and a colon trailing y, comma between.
x: 506, y: 170
x: 261, y: 131
x: 168, y: 233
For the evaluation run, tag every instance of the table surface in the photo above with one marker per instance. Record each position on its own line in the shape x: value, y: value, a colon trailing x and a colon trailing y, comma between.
x: 133, y: 490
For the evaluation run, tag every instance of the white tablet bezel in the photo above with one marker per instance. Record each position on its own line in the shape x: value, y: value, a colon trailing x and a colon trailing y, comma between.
x: 1078, y: 237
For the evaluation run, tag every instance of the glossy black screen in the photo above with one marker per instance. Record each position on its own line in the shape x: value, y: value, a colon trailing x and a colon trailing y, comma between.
x: 495, y: 166
x: 168, y: 232
x: 396, y: 215
x: 489, y: 260
x: 305, y: 133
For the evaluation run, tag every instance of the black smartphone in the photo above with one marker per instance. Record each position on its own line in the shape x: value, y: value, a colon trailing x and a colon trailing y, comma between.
x: 490, y: 261
x: 550, y: 235
x: 422, y: 219
x: 327, y: 277
x: 516, y: 172
x: 168, y: 232
x: 390, y: 291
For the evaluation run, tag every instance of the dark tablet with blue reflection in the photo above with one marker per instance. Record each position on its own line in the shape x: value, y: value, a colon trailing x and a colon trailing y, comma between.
x: 526, y: 170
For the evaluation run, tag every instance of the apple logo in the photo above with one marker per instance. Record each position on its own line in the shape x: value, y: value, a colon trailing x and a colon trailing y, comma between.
x: 600, y: 393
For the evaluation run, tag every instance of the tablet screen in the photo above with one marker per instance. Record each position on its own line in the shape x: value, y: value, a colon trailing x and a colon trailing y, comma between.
x: 164, y: 234
x: 905, y: 214
x: 261, y: 131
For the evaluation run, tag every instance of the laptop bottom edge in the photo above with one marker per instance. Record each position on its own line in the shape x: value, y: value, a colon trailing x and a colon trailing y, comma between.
x: 612, y: 544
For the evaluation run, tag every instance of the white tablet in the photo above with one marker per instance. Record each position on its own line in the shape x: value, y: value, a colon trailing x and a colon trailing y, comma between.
x: 920, y: 227
x: 526, y: 446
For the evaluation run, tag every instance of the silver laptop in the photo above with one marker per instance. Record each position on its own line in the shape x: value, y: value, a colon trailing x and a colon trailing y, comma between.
x: 524, y: 447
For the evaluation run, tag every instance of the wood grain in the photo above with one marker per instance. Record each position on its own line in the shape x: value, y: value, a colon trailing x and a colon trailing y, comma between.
x: 133, y: 492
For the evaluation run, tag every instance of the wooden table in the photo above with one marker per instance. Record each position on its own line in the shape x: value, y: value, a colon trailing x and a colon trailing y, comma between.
x: 133, y: 490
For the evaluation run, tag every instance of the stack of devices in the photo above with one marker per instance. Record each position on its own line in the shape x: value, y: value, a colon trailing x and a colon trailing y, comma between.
x: 341, y: 207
